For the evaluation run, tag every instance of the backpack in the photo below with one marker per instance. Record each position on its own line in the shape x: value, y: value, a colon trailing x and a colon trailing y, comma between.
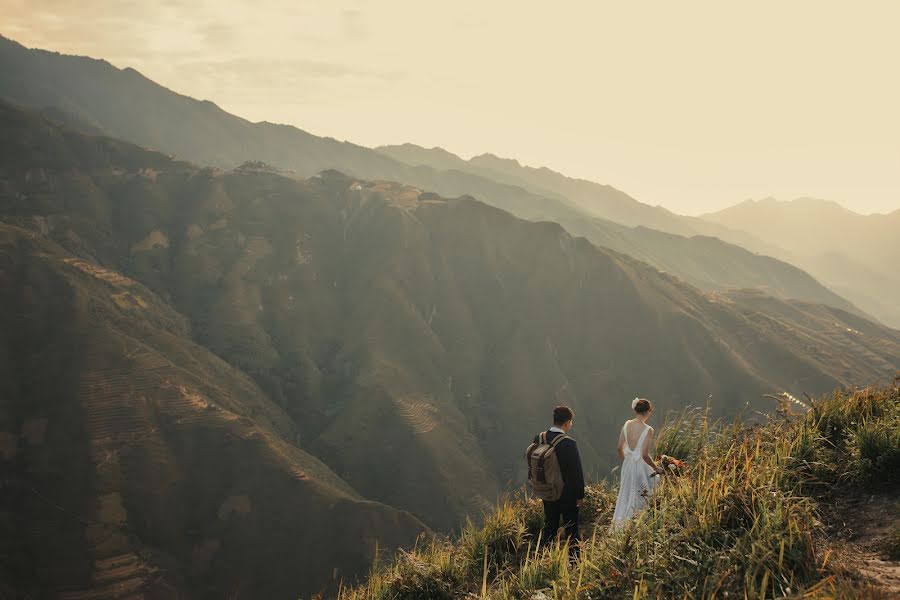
x: 544, y: 473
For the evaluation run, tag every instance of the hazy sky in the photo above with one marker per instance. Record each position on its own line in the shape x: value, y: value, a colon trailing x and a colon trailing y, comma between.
x: 692, y: 105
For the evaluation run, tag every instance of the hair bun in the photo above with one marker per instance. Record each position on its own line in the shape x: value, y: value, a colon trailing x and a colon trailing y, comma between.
x: 641, y: 405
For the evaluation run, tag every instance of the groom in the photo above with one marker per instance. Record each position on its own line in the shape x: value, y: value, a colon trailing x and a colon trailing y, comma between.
x: 573, y: 479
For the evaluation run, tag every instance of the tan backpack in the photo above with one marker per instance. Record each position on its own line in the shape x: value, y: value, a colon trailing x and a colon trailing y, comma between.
x: 544, y: 473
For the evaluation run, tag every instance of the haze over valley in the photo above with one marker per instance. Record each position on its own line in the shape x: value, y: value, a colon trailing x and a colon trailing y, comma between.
x: 242, y: 359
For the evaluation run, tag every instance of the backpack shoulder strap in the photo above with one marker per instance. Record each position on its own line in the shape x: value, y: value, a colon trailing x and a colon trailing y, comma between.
x: 542, y: 438
x: 558, y: 439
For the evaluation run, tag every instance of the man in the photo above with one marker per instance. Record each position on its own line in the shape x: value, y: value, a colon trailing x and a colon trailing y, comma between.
x: 573, y: 480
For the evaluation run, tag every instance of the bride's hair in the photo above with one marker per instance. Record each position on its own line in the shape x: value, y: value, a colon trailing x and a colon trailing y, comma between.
x: 642, y: 406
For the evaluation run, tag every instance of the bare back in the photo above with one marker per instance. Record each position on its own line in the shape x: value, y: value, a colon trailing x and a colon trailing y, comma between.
x: 633, y: 431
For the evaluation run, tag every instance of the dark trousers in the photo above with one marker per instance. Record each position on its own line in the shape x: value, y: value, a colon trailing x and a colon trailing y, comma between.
x: 567, y: 510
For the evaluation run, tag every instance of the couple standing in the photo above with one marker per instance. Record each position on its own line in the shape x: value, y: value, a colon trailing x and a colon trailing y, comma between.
x: 556, y: 476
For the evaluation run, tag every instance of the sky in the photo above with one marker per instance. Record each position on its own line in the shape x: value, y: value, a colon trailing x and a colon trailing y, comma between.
x: 694, y: 105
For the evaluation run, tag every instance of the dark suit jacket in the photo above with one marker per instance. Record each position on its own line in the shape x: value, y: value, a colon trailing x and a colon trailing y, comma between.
x: 570, y: 466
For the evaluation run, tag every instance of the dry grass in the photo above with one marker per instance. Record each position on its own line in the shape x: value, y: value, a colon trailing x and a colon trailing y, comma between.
x: 742, y: 524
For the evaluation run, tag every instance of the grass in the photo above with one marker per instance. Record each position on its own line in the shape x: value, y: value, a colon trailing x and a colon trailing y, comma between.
x: 743, y: 522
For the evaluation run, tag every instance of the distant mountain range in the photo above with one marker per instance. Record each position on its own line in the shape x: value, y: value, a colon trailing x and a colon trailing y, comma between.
x: 593, y: 199
x: 231, y: 382
x: 856, y: 255
x: 95, y: 97
x: 684, y: 246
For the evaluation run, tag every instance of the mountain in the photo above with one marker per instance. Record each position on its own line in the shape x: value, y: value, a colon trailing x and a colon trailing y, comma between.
x: 95, y: 97
x: 408, y: 341
x: 701, y: 260
x: 134, y: 460
x: 593, y: 199
x: 206, y: 372
x: 854, y: 254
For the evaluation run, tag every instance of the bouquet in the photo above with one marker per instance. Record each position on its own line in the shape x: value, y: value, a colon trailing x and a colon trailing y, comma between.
x: 670, y: 466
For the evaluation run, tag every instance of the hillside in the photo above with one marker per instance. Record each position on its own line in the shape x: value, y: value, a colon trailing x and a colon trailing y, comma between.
x: 802, y: 506
x: 402, y: 332
x: 701, y: 260
x: 856, y: 255
x: 95, y: 97
x: 592, y: 199
x: 92, y: 95
x: 135, y: 461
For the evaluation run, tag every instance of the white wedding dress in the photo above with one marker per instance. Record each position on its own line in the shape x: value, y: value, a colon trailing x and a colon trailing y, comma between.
x: 636, y: 483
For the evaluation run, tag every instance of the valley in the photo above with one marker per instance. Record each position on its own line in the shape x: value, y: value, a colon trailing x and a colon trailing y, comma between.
x: 241, y: 360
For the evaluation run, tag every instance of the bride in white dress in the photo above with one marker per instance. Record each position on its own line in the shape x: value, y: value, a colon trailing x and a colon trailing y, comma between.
x: 635, y: 442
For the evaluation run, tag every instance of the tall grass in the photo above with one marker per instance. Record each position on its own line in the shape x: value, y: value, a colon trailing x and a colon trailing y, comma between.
x: 686, y: 434
x: 743, y: 522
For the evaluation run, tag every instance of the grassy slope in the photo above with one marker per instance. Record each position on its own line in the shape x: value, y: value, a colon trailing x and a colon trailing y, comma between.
x: 752, y: 518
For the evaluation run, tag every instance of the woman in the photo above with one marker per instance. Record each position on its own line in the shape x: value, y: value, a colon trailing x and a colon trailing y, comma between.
x: 635, y: 442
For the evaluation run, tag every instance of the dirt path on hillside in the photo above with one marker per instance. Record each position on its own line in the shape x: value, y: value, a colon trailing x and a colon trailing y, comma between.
x: 859, y: 525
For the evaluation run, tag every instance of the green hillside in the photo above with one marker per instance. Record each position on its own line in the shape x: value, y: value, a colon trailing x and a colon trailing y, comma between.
x: 690, y: 248
x: 803, y: 506
x: 135, y: 461
x: 95, y: 97
x: 405, y: 333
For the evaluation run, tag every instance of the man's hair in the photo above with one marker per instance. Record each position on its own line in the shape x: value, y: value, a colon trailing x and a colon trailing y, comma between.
x: 642, y: 406
x: 562, y: 414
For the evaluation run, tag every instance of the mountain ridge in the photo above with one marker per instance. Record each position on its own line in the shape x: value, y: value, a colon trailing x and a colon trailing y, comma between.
x: 805, y: 201
x: 684, y: 257
x: 854, y: 254
x: 186, y: 128
x: 597, y: 199
x: 379, y: 328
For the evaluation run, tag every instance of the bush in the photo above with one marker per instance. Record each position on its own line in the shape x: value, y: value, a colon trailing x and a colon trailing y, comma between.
x: 840, y: 415
x: 419, y: 579
x: 878, y: 446
x: 597, y: 508
x: 532, y: 514
x: 498, y: 544
x: 804, y: 462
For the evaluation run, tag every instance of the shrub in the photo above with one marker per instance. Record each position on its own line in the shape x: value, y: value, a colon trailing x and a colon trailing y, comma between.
x: 878, y: 446
x: 496, y: 545
x: 841, y: 414
x: 532, y: 513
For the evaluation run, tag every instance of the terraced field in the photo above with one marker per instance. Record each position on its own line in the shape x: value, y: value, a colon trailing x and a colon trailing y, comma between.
x: 119, y: 577
x: 111, y: 277
x: 418, y: 412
